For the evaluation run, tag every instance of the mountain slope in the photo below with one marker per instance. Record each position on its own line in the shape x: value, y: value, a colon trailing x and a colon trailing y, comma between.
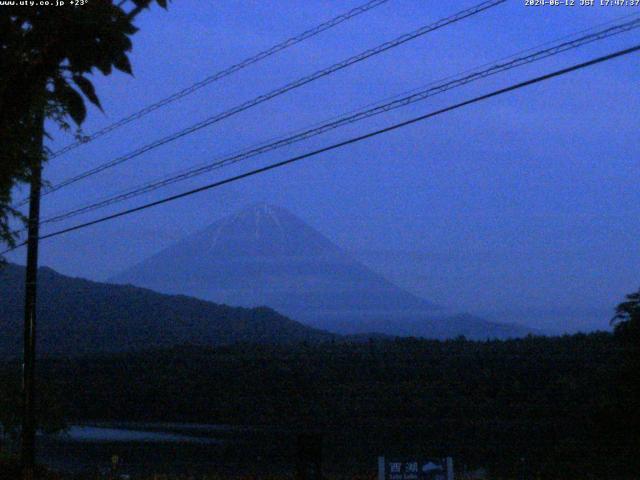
x: 78, y: 316
x: 264, y: 255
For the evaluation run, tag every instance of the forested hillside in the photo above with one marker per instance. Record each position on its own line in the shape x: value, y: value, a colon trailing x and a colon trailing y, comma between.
x: 564, y: 404
x: 77, y: 316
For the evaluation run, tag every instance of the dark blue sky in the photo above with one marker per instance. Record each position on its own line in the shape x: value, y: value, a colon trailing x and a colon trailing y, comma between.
x: 527, y: 202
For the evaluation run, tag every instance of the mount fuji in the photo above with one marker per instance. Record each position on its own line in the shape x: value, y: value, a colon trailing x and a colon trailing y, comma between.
x: 266, y: 256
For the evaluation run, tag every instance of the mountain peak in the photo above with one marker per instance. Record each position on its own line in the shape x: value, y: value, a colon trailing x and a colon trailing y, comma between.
x: 264, y: 208
x: 265, y: 255
x: 260, y: 230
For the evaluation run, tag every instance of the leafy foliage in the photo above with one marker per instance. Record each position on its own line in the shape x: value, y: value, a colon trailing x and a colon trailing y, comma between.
x: 46, y: 56
x: 627, y: 320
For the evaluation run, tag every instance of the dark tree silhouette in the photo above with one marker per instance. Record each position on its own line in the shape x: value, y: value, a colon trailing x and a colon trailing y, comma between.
x: 46, y: 54
x: 627, y: 320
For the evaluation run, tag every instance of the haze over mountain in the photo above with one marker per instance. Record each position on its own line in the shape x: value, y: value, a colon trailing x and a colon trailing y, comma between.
x: 264, y: 255
x: 77, y: 316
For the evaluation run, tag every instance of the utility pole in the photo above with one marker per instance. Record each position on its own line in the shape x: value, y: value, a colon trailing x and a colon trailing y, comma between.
x: 28, y: 437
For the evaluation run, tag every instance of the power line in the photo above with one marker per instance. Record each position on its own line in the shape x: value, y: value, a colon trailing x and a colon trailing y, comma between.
x: 277, y: 92
x: 352, y: 118
x: 223, y: 73
x: 471, y: 70
x: 335, y: 146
